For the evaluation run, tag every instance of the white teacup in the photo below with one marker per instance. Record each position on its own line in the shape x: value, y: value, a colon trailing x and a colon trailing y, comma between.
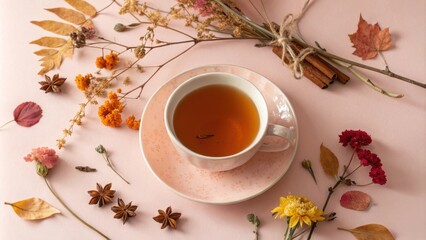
x: 226, y: 161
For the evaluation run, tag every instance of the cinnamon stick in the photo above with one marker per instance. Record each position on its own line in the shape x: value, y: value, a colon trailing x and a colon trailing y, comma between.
x: 316, y: 62
x: 310, y: 71
x: 325, y: 67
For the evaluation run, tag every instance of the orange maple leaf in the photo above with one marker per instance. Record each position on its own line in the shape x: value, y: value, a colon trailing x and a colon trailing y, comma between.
x: 369, y: 39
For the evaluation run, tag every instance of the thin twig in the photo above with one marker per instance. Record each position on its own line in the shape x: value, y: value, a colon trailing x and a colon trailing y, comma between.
x: 72, y: 212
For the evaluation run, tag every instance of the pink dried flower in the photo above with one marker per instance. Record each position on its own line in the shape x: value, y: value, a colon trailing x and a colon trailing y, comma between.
x: 44, y: 156
x: 368, y: 158
x: 378, y: 175
x: 203, y: 7
x: 354, y: 138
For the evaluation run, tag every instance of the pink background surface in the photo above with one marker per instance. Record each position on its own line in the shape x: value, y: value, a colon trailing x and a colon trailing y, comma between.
x: 397, y: 126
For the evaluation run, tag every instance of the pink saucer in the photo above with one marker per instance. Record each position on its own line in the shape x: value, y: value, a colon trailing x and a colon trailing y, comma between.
x: 242, y: 183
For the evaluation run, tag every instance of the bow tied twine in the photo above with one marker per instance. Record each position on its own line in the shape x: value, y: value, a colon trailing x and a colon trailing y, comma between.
x: 285, y: 35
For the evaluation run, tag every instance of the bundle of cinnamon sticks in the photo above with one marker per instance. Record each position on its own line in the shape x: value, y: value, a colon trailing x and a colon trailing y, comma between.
x: 315, y: 68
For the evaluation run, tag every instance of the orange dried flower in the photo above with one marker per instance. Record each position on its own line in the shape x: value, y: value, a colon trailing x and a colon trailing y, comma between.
x: 83, y: 82
x: 100, y: 62
x: 110, y: 111
x: 111, y: 60
x: 132, y: 122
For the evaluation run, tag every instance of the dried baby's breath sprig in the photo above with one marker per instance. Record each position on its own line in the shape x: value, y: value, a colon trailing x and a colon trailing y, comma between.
x: 101, y: 149
x: 76, y: 120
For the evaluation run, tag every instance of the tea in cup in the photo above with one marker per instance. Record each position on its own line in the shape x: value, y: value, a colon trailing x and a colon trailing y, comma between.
x: 218, y: 121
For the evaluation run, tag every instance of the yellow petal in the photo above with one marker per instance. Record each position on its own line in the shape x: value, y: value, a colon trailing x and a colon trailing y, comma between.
x: 306, y: 220
x: 293, y: 221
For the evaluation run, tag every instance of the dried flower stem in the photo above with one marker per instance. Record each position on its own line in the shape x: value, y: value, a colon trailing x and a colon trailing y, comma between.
x: 331, y: 190
x: 7, y: 123
x: 100, y: 149
x: 348, y: 63
x: 76, y: 120
x: 70, y: 211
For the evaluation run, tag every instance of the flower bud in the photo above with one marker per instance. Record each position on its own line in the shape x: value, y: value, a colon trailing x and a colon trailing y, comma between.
x: 119, y: 27
x: 306, y: 164
x: 41, y: 169
x: 100, y: 149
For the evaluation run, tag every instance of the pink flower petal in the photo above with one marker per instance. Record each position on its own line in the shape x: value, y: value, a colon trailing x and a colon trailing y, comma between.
x: 355, y: 200
x: 27, y: 114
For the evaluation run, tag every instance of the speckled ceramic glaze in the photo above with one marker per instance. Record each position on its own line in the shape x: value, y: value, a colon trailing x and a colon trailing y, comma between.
x: 239, y: 184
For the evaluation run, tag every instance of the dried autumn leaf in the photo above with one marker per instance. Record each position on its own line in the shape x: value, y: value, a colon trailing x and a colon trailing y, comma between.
x: 370, y: 232
x: 68, y: 15
x: 83, y: 7
x: 27, y: 114
x: 56, y: 27
x: 67, y: 50
x: 355, y: 200
x: 52, y: 42
x: 329, y: 161
x: 369, y: 39
x: 88, y: 24
x: 49, y: 61
x: 33, y: 209
x: 46, y: 52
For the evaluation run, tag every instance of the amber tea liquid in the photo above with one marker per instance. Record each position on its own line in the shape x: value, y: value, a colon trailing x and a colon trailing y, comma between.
x: 216, y: 120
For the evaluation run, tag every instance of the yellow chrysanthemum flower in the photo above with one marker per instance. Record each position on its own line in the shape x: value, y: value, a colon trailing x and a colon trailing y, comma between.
x: 298, y: 210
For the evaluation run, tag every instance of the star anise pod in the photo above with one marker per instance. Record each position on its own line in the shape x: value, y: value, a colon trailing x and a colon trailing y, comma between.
x: 123, y: 211
x: 52, y: 84
x: 102, y: 195
x: 167, y: 218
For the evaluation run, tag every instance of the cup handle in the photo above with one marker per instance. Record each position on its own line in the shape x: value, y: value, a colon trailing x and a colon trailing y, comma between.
x: 278, y: 131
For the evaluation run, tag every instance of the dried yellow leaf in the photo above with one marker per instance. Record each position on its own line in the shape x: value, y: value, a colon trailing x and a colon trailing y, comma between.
x: 45, y: 52
x: 33, y: 209
x: 88, y: 24
x: 68, y: 15
x: 370, y: 232
x: 83, y: 7
x: 329, y: 161
x: 56, y: 27
x: 47, y: 64
x: 67, y: 50
x: 50, y: 61
x: 52, y: 42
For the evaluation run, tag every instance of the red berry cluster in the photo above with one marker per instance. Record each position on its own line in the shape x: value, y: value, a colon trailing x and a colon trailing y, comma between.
x: 357, y: 139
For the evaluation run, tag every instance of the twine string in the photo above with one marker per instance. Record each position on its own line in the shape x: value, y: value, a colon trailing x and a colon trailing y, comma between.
x: 284, y: 36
